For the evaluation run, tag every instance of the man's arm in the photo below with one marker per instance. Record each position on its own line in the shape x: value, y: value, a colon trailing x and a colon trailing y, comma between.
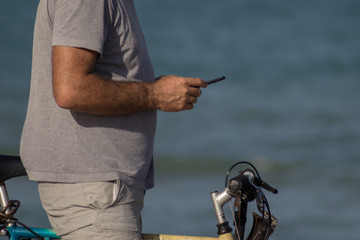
x: 77, y: 87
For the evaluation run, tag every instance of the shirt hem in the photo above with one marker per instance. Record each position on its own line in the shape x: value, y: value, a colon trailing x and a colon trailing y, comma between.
x: 89, y: 177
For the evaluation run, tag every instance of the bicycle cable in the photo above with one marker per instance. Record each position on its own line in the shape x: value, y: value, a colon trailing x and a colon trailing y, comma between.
x: 29, y: 229
x: 7, y: 215
x: 232, y: 210
x: 238, y: 163
x: 264, y: 212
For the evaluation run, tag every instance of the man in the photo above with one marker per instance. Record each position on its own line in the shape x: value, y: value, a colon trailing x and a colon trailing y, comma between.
x: 89, y: 131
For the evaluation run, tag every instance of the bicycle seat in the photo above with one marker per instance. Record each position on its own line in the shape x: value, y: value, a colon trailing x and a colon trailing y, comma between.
x: 10, y: 167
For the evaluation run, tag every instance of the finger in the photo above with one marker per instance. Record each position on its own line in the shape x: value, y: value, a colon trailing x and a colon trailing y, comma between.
x: 193, y: 99
x: 190, y: 99
x: 189, y: 106
x: 195, y: 91
x: 197, y: 82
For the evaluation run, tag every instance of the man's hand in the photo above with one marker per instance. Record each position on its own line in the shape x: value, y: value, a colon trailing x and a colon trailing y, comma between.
x: 174, y: 94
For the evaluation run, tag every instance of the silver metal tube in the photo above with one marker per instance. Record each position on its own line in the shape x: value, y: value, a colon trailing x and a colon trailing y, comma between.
x: 223, y: 197
x: 219, y: 200
x: 4, y: 198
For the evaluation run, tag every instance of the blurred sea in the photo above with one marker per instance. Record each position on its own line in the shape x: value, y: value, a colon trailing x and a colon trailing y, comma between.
x: 290, y: 105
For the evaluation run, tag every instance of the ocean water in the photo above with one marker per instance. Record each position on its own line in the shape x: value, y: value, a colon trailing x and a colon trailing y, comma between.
x: 290, y: 105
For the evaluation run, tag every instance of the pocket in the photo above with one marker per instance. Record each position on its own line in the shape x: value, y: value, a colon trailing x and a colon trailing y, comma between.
x: 100, y: 195
x: 124, y: 216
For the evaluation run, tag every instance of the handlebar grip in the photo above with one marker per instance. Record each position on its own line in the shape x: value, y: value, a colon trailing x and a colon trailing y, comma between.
x: 269, y: 188
x: 265, y: 185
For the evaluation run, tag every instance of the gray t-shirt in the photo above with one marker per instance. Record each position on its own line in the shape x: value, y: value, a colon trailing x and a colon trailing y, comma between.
x: 60, y: 145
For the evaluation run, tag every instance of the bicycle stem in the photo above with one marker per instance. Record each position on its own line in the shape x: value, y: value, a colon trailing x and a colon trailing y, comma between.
x: 219, y: 200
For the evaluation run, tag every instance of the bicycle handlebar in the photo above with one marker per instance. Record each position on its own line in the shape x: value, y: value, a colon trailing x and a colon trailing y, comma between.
x: 246, y: 187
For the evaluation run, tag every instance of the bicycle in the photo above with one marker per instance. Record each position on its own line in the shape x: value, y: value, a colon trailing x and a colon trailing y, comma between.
x: 245, y: 187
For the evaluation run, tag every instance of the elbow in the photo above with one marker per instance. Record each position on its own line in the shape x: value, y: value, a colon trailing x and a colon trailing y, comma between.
x: 64, y: 98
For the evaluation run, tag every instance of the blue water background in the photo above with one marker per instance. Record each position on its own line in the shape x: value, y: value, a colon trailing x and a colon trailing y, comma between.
x: 290, y: 105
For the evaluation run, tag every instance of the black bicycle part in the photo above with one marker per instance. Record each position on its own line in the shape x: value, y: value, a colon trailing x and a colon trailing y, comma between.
x: 11, y: 166
x: 246, y: 186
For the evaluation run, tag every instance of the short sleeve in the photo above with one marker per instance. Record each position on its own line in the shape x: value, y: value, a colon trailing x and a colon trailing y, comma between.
x: 80, y: 23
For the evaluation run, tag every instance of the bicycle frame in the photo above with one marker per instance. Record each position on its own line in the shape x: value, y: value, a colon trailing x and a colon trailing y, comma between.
x: 16, y: 233
x: 12, y: 167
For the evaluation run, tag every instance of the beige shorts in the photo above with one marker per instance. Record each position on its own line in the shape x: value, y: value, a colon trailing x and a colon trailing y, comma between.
x: 100, y: 210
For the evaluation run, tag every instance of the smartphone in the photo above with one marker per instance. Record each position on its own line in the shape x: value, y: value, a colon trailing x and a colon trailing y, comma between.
x: 215, y: 80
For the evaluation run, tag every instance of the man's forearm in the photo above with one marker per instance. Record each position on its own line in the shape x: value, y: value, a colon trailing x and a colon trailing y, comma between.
x: 96, y: 95
x: 106, y: 97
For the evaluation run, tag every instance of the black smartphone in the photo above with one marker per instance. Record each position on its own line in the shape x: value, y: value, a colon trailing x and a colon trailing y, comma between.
x: 215, y: 80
